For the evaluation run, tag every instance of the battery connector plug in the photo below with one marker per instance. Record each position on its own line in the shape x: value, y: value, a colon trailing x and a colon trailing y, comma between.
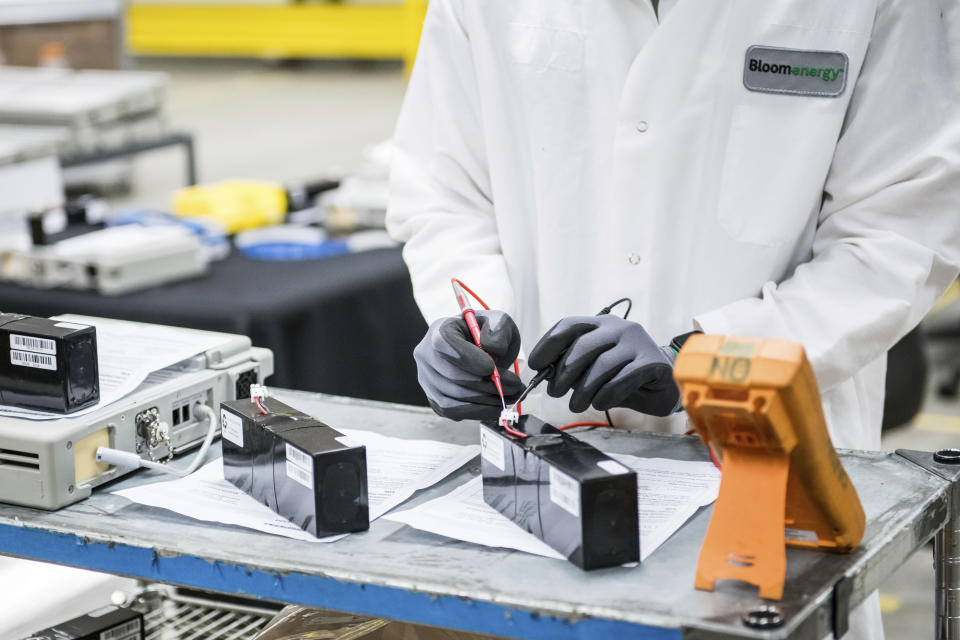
x: 259, y: 393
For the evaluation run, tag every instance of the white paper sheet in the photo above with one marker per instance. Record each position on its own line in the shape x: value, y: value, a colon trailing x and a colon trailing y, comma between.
x: 396, y: 469
x: 463, y: 515
x: 669, y: 491
x: 126, y: 354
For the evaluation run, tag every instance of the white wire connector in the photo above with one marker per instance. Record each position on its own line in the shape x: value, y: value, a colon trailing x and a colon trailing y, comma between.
x: 509, y: 416
x: 258, y: 392
x: 129, y: 460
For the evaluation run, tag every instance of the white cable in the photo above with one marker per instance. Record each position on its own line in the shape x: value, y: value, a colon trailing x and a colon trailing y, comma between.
x: 131, y: 460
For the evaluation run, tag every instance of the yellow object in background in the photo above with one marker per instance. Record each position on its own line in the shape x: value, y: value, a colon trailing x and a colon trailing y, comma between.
x: 370, y: 30
x: 236, y: 204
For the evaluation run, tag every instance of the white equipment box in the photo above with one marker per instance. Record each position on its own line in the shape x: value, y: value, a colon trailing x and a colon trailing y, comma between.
x: 97, y: 109
x: 49, y: 464
x: 30, y: 179
x: 112, y: 261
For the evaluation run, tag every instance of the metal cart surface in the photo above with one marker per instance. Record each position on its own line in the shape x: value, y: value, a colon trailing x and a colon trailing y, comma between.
x: 397, y: 572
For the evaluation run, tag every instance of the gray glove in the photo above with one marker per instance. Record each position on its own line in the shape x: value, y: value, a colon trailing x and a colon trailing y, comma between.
x: 608, y: 362
x: 455, y: 374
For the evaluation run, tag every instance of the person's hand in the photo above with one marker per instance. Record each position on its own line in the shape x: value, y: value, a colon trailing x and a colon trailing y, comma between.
x: 608, y: 362
x: 455, y: 374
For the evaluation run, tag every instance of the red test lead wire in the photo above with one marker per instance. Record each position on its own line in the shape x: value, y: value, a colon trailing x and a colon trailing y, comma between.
x: 471, y: 319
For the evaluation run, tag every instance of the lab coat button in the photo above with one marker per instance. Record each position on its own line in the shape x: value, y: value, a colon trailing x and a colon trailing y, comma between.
x: 634, y: 258
x: 642, y: 126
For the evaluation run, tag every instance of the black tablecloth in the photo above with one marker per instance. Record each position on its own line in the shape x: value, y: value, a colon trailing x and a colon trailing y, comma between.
x: 345, y: 325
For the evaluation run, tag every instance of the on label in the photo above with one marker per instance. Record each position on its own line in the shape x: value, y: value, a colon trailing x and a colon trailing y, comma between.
x: 491, y: 449
x: 30, y: 343
x: 565, y: 492
x: 231, y: 427
x: 35, y: 360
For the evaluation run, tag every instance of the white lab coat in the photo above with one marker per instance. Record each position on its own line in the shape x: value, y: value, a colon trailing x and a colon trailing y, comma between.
x: 559, y: 154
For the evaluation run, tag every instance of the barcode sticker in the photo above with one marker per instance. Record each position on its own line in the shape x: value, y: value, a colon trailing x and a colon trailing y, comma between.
x: 125, y: 631
x: 491, y: 448
x: 299, y: 466
x: 31, y: 359
x: 299, y: 457
x: 299, y: 474
x: 564, y: 491
x: 231, y: 427
x: 29, y: 343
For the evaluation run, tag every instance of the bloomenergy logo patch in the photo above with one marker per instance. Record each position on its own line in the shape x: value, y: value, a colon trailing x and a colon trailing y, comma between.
x: 795, y: 71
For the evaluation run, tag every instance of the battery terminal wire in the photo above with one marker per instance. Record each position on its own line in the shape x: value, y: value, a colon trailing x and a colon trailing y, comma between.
x: 511, y: 415
x: 259, y: 393
x: 516, y: 409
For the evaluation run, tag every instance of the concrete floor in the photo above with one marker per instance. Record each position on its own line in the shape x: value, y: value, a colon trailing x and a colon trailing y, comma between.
x: 269, y: 121
x: 260, y: 120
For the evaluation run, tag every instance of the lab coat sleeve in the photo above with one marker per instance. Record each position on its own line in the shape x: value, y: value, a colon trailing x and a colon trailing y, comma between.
x: 441, y: 205
x: 888, y: 237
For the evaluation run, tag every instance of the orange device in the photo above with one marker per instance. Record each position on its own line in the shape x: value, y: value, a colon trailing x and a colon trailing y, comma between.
x: 757, y: 402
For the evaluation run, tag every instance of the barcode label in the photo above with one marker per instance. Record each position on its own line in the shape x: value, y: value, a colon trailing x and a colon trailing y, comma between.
x: 299, y: 466
x: 231, y: 428
x: 565, y: 492
x: 29, y: 343
x: 300, y: 475
x: 299, y: 457
x: 35, y: 360
x: 126, y: 631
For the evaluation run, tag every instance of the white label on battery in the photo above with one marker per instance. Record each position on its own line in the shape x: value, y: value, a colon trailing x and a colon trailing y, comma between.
x: 564, y: 491
x: 613, y: 467
x: 71, y: 325
x: 30, y: 343
x: 491, y: 448
x: 31, y: 359
x: 299, y: 457
x: 800, y: 535
x: 231, y: 427
x: 123, y: 632
x: 299, y: 474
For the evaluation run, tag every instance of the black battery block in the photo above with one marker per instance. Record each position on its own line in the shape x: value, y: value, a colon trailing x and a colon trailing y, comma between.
x: 47, y: 365
x: 303, y: 469
x: 109, y: 623
x: 577, y: 499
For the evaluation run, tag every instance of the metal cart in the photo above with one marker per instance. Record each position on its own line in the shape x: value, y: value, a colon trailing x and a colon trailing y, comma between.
x: 396, y: 572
